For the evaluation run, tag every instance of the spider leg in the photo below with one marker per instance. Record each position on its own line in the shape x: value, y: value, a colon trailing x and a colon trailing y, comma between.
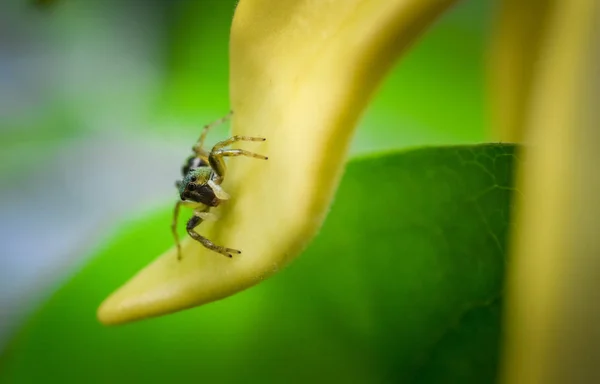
x: 197, y: 148
x: 192, y: 224
x: 236, y: 138
x: 207, y: 216
x: 215, y: 159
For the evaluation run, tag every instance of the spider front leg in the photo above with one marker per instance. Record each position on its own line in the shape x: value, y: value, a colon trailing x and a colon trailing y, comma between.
x: 215, y: 158
x: 193, y: 223
x: 236, y: 138
x: 198, y: 147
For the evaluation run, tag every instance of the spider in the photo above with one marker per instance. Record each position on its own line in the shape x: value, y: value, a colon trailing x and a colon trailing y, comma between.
x: 200, y: 189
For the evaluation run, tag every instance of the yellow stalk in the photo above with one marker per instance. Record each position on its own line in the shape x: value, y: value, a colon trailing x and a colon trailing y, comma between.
x: 553, y: 314
x: 514, y: 57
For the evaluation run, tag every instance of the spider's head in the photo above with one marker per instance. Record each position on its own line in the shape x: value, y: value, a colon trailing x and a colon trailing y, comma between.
x: 194, y: 187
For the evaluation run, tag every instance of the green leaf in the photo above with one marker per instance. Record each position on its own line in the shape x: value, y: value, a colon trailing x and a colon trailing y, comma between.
x: 403, y: 282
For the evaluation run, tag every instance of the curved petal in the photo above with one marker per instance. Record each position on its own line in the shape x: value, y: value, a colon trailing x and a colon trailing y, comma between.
x: 301, y: 74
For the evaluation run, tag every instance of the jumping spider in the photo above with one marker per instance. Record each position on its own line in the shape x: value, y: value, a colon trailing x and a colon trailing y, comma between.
x: 201, y: 189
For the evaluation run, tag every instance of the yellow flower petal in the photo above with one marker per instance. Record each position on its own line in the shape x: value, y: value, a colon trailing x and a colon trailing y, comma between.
x: 301, y: 74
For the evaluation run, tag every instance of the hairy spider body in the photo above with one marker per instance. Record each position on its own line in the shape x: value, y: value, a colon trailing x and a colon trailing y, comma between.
x: 200, y: 189
x: 194, y: 187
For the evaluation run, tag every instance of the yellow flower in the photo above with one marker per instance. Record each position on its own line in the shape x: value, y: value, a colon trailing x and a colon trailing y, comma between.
x: 301, y: 73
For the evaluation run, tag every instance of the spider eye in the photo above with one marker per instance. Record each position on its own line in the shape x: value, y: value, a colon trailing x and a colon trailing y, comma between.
x: 191, y: 186
x: 193, y: 178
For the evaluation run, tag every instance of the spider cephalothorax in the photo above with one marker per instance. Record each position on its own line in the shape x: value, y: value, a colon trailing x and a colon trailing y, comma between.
x: 195, y: 187
x: 201, y: 189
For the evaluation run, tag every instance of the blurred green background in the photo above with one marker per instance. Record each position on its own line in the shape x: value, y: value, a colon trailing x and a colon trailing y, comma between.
x: 99, y: 102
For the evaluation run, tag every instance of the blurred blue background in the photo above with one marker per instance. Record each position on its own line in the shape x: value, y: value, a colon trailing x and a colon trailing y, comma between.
x: 100, y: 101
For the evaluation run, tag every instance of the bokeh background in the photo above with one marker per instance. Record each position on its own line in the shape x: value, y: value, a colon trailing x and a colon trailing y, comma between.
x: 100, y: 101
